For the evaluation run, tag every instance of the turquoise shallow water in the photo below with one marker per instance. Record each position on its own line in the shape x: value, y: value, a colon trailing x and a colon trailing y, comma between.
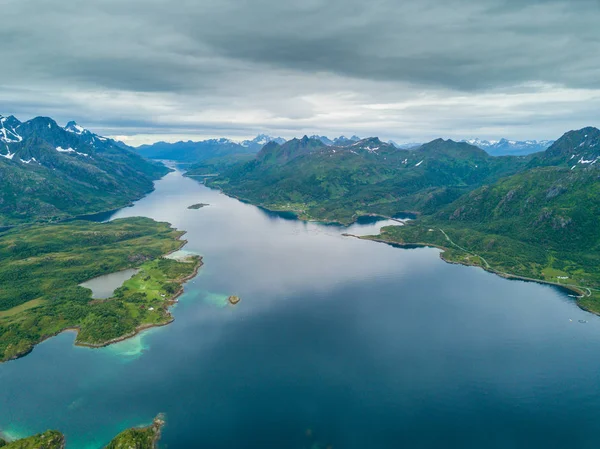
x: 336, y: 342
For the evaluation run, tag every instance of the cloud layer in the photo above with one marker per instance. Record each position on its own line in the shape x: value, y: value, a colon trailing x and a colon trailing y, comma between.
x: 402, y: 70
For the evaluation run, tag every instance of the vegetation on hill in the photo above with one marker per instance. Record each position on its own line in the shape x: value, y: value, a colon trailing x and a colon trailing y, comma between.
x: 340, y: 183
x: 135, y: 438
x: 42, y: 267
x: 47, y: 440
x: 49, y: 173
x: 214, y: 166
x: 541, y: 223
x: 139, y: 437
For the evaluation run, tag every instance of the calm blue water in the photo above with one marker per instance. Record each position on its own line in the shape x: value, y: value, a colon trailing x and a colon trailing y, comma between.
x: 336, y: 342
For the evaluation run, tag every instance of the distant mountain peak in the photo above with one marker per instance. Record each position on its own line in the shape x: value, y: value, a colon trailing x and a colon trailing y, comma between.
x: 73, y: 127
x: 8, y: 130
x: 261, y: 140
x: 275, y: 153
x: 510, y: 147
x: 344, y: 141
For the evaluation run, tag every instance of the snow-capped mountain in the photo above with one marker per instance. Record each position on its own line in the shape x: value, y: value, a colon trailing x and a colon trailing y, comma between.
x: 73, y: 127
x: 72, y: 139
x: 260, y: 141
x: 193, y: 152
x: 65, y: 171
x: 576, y: 149
x: 505, y: 147
x: 8, y: 130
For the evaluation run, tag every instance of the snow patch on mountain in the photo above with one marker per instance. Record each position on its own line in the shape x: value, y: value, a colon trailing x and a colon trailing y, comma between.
x: 74, y: 128
x: 8, y: 133
x: 71, y: 150
x: 510, y: 147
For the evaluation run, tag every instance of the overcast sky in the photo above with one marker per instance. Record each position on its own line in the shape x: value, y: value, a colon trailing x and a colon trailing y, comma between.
x: 410, y: 71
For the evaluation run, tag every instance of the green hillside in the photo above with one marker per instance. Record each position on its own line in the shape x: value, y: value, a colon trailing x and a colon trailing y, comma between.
x: 541, y: 223
x: 340, y: 183
x: 50, y: 173
x: 47, y: 440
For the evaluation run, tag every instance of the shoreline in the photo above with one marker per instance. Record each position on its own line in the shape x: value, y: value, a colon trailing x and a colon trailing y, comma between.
x: 307, y: 219
x: 170, y: 303
x: 508, y: 276
x: 81, y: 217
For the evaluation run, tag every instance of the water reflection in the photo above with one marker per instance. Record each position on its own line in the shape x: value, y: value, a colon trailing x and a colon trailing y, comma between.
x: 362, y: 344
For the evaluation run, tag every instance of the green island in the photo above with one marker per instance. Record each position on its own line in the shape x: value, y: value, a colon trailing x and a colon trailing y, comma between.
x: 42, y: 268
x: 198, y: 206
x: 135, y: 438
x: 531, y: 217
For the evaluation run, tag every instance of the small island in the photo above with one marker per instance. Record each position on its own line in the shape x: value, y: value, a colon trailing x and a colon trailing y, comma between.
x: 139, y: 438
x: 234, y: 299
x: 136, y: 438
x: 198, y: 206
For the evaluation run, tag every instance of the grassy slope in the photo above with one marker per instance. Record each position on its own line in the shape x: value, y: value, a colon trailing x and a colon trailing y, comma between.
x: 217, y: 164
x: 43, y: 265
x: 139, y: 438
x: 540, y: 224
x: 340, y: 184
x: 47, y: 440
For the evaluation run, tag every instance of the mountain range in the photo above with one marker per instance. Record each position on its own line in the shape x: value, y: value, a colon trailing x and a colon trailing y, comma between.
x: 339, y: 183
x: 539, y: 223
x: 190, y: 151
x: 49, y: 172
x: 504, y: 147
x: 213, y: 149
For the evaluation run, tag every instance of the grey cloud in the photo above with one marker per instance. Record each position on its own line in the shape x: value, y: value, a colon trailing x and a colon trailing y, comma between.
x: 241, y: 66
x: 168, y: 45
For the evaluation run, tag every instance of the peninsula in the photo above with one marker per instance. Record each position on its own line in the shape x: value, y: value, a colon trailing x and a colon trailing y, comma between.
x: 41, y: 296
